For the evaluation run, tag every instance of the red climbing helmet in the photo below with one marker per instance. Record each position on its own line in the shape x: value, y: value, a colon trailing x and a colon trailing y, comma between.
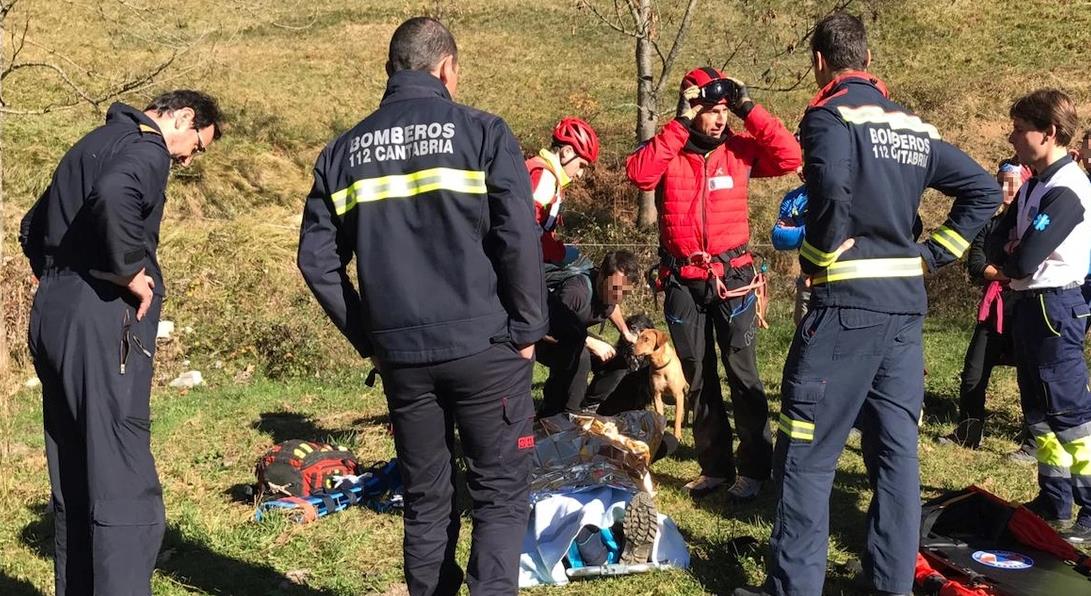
x: 579, y: 135
x: 715, y: 87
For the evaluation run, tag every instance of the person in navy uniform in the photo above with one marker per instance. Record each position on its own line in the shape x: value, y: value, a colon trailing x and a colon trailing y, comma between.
x: 856, y: 357
x: 434, y: 202
x: 1044, y: 249
x: 91, y: 239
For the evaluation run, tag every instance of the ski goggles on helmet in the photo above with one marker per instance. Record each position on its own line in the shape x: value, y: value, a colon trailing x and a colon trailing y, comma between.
x: 718, y: 90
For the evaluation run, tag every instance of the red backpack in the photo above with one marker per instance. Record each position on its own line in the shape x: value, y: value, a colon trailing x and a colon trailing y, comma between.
x: 298, y: 468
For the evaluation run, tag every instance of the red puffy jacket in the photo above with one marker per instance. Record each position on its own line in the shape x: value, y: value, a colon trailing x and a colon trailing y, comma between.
x: 702, y: 199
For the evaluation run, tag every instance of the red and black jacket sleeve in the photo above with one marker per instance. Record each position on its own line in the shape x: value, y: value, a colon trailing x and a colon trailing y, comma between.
x: 645, y: 166
x: 325, y: 250
x: 775, y: 149
x: 513, y: 239
x: 125, y: 193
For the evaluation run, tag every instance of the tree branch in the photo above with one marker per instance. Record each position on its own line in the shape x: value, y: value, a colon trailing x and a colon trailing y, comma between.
x: 7, y: 6
x: 742, y: 43
x: 799, y: 80
x: 676, y: 45
x: 82, y: 95
x: 602, y: 18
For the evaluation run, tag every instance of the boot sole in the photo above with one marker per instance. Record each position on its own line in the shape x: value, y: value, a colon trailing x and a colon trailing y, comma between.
x: 640, y: 525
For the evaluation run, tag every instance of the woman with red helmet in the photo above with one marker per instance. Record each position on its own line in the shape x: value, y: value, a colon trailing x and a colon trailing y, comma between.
x: 700, y: 170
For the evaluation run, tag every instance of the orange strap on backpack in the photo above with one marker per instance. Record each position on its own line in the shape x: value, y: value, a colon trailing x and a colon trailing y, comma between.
x: 309, y: 512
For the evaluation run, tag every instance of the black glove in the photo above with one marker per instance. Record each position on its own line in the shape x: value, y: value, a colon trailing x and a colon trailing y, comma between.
x: 739, y: 101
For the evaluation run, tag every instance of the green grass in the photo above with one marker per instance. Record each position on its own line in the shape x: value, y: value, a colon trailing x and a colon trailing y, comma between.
x: 291, y: 75
x: 206, y: 441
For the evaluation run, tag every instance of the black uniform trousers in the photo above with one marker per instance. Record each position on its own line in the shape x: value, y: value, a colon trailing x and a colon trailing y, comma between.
x: 569, y: 364
x: 848, y: 365
x: 95, y: 364
x: 986, y: 349
x: 1049, y: 331
x: 697, y: 326
x: 487, y: 396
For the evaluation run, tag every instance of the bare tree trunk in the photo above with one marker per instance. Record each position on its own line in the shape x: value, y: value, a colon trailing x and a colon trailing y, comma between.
x: 647, y: 104
x: 5, y: 354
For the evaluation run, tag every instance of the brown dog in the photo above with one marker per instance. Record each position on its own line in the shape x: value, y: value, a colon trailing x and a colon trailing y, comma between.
x: 665, y: 371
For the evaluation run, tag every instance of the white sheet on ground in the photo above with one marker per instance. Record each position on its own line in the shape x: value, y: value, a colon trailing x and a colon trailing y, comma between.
x: 556, y: 520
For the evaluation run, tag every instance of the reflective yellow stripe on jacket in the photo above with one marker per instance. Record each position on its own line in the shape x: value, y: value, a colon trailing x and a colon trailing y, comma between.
x: 895, y: 120
x: 816, y: 255
x: 951, y: 240
x: 870, y: 268
x: 408, y: 185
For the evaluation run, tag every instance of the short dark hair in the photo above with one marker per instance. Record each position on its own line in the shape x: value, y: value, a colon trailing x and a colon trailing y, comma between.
x: 206, y: 111
x: 1048, y: 107
x: 624, y: 261
x: 842, y: 39
x: 419, y: 44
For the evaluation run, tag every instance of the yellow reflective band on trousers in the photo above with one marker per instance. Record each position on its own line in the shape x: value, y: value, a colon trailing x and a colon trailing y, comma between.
x: 797, y: 429
x: 408, y: 185
x: 1080, y: 451
x: 816, y: 255
x: 1051, y: 452
x: 951, y: 240
x: 870, y: 268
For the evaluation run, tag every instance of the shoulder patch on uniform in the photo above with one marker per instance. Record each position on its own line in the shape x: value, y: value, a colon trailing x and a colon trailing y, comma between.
x: 1041, y: 222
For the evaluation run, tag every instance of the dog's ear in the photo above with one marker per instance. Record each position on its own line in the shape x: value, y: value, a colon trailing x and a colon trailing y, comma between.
x: 661, y: 339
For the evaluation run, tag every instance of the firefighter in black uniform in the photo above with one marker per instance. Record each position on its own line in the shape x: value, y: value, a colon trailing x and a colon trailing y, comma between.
x: 434, y: 202
x: 857, y: 355
x: 91, y: 239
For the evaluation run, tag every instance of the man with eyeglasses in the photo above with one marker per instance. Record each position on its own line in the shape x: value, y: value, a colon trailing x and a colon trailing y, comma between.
x: 91, y: 239
x: 700, y: 170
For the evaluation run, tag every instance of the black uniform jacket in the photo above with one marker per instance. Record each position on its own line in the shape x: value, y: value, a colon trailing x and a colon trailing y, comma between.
x: 433, y: 200
x: 103, y: 206
x: 867, y: 160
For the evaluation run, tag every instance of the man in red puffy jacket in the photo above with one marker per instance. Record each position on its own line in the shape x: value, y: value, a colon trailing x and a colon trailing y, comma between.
x: 700, y: 170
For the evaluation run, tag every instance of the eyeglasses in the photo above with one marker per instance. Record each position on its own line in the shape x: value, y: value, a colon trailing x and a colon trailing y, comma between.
x: 200, y: 144
x: 719, y: 90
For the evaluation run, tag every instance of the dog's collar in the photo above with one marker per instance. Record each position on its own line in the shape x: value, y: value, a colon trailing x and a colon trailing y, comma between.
x: 665, y: 365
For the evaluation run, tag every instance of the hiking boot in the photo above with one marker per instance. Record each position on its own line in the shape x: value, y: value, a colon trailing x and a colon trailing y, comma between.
x: 704, y: 485
x: 967, y: 434
x: 639, y: 527
x: 1044, y: 509
x: 1078, y: 534
x: 1023, y: 456
x: 744, y: 489
x: 954, y: 440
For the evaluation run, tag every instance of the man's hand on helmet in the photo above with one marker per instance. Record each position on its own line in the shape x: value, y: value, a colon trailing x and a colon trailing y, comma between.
x: 740, y: 103
x: 687, y: 96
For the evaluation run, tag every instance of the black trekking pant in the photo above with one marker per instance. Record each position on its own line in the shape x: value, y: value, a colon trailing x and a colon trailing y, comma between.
x: 569, y: 364
x: 95, y: 364
x: 697, y: 326
x: 487, y: 397
x: 985, y: 350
